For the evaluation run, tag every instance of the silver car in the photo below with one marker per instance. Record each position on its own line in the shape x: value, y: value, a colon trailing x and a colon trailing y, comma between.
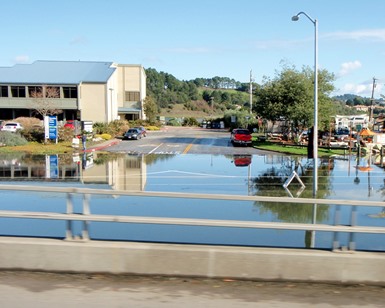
x: 12, y: 127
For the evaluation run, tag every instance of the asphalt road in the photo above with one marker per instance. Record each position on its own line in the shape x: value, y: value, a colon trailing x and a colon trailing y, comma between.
x: 32, y: 289
x: 183, y: 140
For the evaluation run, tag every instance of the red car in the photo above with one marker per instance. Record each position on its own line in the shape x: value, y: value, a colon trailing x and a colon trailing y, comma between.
x: 241, y: 136
x: 70, y: 124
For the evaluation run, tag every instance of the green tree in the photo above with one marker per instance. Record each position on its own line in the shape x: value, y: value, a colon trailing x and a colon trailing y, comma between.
x: 290, y: 96
x: 150, y: 109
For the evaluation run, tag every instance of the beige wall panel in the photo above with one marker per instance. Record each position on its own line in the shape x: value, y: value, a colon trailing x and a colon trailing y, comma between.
x: 93, y: 102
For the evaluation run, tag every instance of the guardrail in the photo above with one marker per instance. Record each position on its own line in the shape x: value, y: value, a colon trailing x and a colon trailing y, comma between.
x: 86, y: 216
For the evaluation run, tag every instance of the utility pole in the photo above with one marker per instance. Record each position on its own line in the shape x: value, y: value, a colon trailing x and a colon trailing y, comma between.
x: 372, y: 100
x: 251, y: 91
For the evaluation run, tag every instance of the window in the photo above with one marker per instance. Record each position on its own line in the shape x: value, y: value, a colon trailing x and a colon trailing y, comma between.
x: 18, y: 91
x: 3, y: 91
x: 52, y: 92
x: 34, y: 91
x: 70, y: 92
x: 132, y: 96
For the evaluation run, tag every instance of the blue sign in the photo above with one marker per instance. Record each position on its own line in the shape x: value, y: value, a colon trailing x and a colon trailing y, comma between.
x: 52, y: 124
x: 53, y: 167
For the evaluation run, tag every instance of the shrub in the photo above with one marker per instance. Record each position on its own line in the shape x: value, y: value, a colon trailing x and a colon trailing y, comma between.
x: 100, y: 127
x: 190, y: 122
x: 173, y: 122
x: 114, y: 128
x: 152, y: 128
x: 12, y: 139
x: 28, y: 122
x: 65, y: 134
x: 106, y: 136
x: 33, y: 134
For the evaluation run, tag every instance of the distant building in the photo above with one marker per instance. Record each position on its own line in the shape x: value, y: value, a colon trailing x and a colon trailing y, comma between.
x: 86, y: 90
x: 356, y: 122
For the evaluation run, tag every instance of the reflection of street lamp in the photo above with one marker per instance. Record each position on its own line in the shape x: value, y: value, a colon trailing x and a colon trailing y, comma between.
x: 315, y: 133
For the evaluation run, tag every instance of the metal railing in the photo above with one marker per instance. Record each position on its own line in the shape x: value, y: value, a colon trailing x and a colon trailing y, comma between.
x: 86, y: 216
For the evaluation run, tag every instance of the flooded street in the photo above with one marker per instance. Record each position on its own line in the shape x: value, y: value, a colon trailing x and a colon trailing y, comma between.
x: 247, y: 175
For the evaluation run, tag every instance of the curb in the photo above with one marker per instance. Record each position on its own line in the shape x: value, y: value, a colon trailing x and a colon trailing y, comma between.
x: 102, y: 146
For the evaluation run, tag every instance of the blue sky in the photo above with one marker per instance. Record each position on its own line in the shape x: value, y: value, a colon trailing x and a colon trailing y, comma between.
x: 203, y: 38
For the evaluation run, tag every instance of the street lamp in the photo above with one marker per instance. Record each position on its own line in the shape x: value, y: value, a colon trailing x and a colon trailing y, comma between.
x: 315, y: 129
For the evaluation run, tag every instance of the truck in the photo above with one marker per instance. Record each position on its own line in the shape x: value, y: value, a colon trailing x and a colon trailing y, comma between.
x: 240, y: 136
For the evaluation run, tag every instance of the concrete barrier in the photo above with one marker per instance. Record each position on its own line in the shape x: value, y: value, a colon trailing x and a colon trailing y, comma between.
x: 250, y: 263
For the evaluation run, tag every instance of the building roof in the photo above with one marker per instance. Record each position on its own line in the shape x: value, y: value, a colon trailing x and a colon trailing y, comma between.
x: 57, y: 72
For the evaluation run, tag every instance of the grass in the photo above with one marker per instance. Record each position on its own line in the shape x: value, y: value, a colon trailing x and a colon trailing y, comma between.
x: 39, y: 148
x: 296, y: 149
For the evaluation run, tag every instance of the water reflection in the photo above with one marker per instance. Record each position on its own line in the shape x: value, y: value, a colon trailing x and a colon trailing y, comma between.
x: 263, y: 175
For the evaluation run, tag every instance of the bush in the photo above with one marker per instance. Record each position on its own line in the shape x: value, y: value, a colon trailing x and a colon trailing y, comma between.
x: 65, y: 134
x: 100, y: 127
x: 190, y: 122
x: 12, y: 139
x: 28, y: 122
x: 33, y: 134
x: 114, y: 128
x: 173, y: 122
x: 106, y: 136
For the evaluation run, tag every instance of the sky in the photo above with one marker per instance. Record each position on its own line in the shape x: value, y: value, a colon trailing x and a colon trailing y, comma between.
x: 204, y: 38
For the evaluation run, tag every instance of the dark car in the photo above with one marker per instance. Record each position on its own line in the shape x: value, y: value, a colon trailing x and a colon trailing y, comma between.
x: 133, y: 134
x: 240, y: 136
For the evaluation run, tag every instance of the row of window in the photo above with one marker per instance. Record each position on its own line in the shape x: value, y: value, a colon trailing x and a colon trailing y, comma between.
x: 38, y: 91
x: 52, y: 92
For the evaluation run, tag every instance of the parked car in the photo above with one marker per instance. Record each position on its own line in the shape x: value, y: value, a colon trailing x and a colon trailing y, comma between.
x: 133, y: 133
x: 11, y: 127
x: 142, y: 129
x: 240, y: 136
x: 70, y: 124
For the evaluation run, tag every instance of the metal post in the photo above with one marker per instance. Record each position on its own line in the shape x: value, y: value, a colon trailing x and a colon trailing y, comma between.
x: 315, y: 130
x: 86, y: 211
x: 251, y: 91
x: 70, y: 210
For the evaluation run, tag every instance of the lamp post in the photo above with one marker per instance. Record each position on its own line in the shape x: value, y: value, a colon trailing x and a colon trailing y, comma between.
x: 315, y: 129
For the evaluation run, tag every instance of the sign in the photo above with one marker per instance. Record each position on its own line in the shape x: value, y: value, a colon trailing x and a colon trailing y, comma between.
x: 87, y: 126
x: 50, y: 124
x: 52, y: 166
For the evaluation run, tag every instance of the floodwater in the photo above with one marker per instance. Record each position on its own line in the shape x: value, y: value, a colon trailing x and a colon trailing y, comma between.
x: 342, y: 178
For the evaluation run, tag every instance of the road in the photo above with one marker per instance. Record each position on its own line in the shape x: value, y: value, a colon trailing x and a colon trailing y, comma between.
x: 183, y: 140
x: 43, y: 290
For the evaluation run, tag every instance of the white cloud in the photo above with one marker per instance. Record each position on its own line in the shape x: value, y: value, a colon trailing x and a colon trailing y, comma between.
x: 366, y: 34
x: 358, y: 89
x: 21, y: 59
x: 348, y: 67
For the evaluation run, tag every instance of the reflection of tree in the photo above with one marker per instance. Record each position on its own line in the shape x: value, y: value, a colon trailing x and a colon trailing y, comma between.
x: 153, y: 158
x: 103, y: 157
x: 270, y: 183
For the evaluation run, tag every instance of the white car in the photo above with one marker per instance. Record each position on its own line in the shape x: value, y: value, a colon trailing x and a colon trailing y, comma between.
x: 11, y: 127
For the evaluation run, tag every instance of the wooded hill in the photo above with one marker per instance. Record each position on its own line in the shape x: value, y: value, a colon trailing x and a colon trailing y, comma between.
x: 213, y: 96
